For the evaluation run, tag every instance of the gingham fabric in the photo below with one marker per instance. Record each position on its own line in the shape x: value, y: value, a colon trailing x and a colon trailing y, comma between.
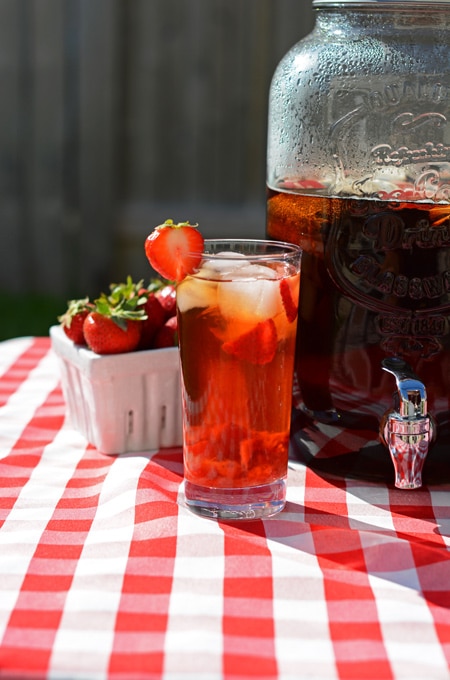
x: 104, y: 575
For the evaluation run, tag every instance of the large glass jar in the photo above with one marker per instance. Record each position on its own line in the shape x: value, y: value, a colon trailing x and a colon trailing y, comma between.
x: 358, y: 174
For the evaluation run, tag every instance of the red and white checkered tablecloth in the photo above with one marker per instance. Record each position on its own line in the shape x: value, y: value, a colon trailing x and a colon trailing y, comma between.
x: 103, y: 575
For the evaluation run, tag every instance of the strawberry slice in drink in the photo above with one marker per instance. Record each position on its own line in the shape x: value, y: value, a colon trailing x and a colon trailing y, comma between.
x: 289, y: 291
x: 257, y: 346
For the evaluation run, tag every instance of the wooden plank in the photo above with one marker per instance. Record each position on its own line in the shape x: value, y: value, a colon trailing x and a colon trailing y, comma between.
x: 13, y: 253
x: 45, y: 160
x: 71, y: 219
x: 291, y: 20
x: 99, y: 52
x: 198, y: 76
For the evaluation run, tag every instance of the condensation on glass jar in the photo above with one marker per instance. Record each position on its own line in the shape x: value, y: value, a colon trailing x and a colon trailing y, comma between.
x: 358, y: 174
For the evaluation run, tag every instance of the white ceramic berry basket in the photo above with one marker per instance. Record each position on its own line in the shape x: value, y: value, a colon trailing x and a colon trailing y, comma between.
x: 121, y: 403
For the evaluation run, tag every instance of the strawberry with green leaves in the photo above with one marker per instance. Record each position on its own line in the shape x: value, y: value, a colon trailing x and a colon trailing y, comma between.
x: 174, y: 250
x: 111, y: 334
x: 73, y: 318
x: 115, y: 325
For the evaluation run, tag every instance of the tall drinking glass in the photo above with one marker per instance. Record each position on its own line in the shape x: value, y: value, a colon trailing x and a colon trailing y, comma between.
x: 237, y: 321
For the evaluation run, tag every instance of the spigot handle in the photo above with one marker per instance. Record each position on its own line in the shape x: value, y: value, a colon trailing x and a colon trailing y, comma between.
x: 412, y: 394
x: 407, y: 430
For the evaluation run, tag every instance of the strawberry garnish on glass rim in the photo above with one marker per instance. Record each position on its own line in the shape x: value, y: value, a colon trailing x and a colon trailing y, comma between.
x: 174, y: 250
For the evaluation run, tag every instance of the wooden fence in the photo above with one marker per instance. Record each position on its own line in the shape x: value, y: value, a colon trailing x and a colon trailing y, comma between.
x: 116, y: 114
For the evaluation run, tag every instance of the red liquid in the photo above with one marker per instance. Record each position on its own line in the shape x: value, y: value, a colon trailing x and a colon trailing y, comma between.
x: 236, y: 412
x: 375, y: 282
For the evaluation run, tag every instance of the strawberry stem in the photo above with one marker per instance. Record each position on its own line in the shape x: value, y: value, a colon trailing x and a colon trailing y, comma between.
x: 171, y: 223
x: 124, y: 302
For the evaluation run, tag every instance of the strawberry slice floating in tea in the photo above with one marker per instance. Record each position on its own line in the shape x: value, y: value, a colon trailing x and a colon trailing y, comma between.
x: 174, y: 250
x: 290, y: 290
x: 258, y: 346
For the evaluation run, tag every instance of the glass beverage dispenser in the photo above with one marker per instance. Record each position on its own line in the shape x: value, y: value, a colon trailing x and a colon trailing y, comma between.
x: 358, y: 174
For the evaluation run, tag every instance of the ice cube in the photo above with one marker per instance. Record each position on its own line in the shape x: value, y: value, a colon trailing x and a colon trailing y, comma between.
x: 227, y: 264
x: 196, y: 292
x: 247, y: 298
x: 255, y: 271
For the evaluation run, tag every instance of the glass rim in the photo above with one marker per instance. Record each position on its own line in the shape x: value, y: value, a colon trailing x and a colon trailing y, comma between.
x: 281, y: 250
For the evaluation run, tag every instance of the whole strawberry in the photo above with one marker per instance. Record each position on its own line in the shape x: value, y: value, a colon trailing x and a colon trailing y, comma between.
x: 167, y: 336
x: 109, y: 334
x: 73, y: 318
x: 115, y: 325
x: 156, y: 317
x: 167, y: 297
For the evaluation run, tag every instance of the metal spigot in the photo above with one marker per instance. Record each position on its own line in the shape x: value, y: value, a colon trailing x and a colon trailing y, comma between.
x: 407, y: 430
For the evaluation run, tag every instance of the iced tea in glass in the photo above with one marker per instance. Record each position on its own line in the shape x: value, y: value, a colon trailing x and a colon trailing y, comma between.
x: 237, y: 322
